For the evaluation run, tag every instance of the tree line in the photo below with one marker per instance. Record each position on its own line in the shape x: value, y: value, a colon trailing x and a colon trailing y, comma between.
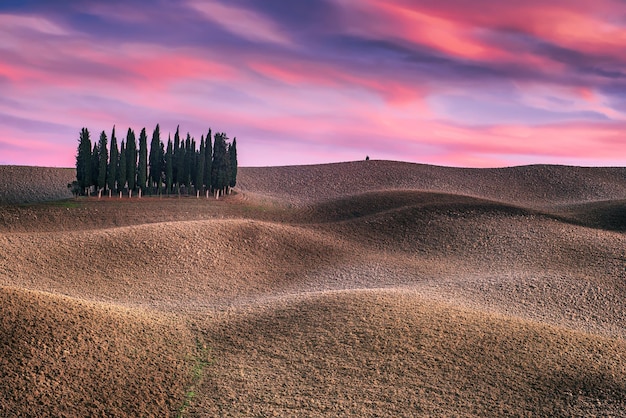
x: 179, y: 167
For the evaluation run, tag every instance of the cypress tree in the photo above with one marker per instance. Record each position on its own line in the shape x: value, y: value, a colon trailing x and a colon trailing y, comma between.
x: 208, y: 157
x: 103, y: 159
x: 161, y: 165
x: 200, y: 167
x: 218, y: 150
x: 95, y: 165
x: 175, y: 158
x: 121, y: 169
x: 169, y: 166
x: 220, y: 176
x: 83, y: 161
x: 113, y: 163
x: 142, y: 168
x: 131, y: 160
x: 193, y: 161
x: 188, y: 162
x: 180, y: 165
x: 232, y: 154
x: 154, y: 159
x: 225, y: 172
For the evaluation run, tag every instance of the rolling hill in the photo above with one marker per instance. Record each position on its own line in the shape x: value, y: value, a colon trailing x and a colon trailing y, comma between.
x: 370, y: 288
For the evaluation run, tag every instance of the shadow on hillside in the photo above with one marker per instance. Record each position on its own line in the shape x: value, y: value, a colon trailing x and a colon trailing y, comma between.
x: 607, y: 215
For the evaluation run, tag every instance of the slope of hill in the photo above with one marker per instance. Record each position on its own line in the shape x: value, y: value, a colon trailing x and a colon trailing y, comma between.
x: 358, y: 289
x: 536, y: 185
x: 66, y: 357
x: 20, y: 184
x: 392, y: 353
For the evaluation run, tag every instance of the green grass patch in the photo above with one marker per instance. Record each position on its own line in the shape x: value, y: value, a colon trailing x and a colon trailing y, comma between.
x: 201, y: 359
x: 65, y: 203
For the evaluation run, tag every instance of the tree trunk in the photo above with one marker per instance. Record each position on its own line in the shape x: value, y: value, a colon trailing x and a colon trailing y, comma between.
x: 207, y: 193
x: 197, y: 194
x: 139, y: 197
x: 130, y: 193
x: 99, y: 193
x: 120, y: 194
x: 110, y: 192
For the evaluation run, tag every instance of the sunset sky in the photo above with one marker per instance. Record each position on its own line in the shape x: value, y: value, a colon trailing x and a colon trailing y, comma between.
x: 481, y: 83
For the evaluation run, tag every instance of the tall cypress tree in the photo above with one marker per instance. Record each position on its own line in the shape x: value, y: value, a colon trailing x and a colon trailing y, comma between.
x: 232, y: 154
x: 131, y: 160
x: 95, y: 165
x: 218, y: 150
x: 169, y: 166
x: 175, y: 157
x: 200, y: 167
x: 113, y: 163
x: 122, y: 173
x: 161, y: 165
x: 180, y: 165
x: 142, y: 168
x: 208, y: 157
x: 154, y: 159
x: 193, y: 162
x: 103, y: 159
x: 188, y: 162
x: 83, y: 161
x: 220, y: 176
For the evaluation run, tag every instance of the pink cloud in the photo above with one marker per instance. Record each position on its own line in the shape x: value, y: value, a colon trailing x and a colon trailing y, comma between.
x: 323, y: 75
x: 316, y: 105
x: 241, y: 22
x: 457, y: 28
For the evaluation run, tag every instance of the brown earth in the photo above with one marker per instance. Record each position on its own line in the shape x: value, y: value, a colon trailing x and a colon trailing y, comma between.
x: 19, y: 184
x: 357, y: 289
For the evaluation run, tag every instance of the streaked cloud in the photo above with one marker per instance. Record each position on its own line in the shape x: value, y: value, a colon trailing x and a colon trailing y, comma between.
x: 460, y: 83
x: 241, y: 22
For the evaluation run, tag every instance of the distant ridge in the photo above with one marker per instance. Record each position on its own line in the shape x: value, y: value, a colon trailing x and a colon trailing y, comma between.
x: 534, y: 185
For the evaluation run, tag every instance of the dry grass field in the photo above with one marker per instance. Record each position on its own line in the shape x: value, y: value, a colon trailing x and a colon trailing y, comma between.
x: 371, y: 288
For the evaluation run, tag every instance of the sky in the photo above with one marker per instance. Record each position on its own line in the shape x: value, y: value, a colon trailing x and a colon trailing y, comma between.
x: 468, y: 83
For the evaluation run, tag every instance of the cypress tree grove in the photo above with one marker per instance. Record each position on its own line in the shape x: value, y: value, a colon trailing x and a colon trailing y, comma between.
x: 232, y: 154
x: 113, y: 163
x: 121, y: 169
x: 103, y: 159
x: 131, y: 161
x: 142, y: 168
x: 155, y: 160
x: 83, y: 161
x: 149, y: 167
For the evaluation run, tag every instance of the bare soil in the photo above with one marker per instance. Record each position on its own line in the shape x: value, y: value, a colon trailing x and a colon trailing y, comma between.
x: 20, y: 184
x: 357, y: 289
